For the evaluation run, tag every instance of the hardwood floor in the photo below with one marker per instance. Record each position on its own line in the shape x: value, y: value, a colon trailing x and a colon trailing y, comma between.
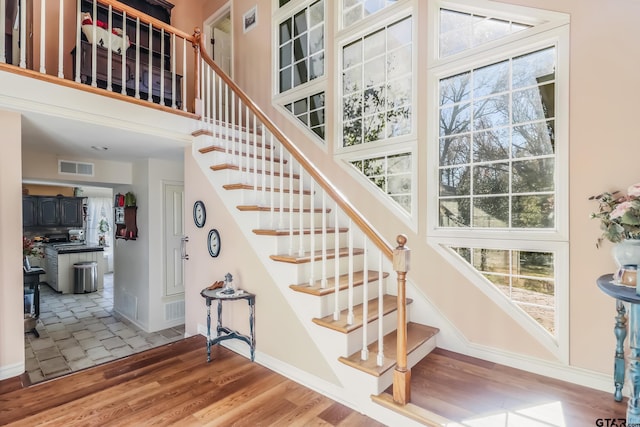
x: 480, y: 393
x: 173, y: 385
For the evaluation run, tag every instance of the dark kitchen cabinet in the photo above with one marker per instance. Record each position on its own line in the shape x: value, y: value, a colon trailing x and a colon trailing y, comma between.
x: 71, y: 211
x: 48, y: 211
x: 29, y: 211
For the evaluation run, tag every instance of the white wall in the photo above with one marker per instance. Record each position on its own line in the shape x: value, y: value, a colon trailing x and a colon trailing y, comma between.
x: 11, y: 290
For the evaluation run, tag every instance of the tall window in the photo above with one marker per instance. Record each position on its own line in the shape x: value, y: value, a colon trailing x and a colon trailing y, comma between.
x: 499, y: 145
x: 301, y: 47
x: 376, y: 85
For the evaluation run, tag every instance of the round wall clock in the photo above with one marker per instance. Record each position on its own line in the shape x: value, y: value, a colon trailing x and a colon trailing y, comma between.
x: 199, y: 214
x: 213, y: 243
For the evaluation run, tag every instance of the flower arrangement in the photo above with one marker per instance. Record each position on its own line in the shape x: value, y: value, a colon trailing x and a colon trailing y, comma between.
x: 29, y: 249
x: 619, y: 215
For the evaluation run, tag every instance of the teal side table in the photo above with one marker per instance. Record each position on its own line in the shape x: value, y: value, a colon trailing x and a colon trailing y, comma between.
x: 625, y: 294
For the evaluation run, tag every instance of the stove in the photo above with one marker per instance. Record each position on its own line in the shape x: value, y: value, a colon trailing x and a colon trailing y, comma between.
x: 56, y: 238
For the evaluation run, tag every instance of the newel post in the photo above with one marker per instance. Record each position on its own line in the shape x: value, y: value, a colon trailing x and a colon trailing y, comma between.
x: 401, y: 375
x: 197, y: 35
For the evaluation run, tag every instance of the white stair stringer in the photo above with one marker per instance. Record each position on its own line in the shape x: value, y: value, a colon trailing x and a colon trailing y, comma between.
x: 357, y: 386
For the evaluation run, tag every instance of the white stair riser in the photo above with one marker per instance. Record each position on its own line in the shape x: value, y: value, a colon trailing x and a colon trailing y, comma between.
x: 282, y: 244
x: 283, y: 220
x: 326, y: 303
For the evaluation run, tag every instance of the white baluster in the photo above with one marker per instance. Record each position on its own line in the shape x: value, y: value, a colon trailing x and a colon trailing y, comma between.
x: 380, y: 357
x: 291, y: 207
x: 94, y: 48
x: 184, y: 74
x: 3, y: 9
x: 364, y: 354
x: 137, y: 73
x: 301, y: 212
x: 323, y: 216
x: 272, y: 169
x: 350, y: 317
x: 173, y: 71
x: 23, y: 35
x: 150, y: 65
x: 43, y: 33
x: 263, y: 174
x: 60, y: 37
x: 109, y: 50
x: 123, y: 62
x: 281, y: 168
x: 247, y: 138
x: 312, y: 233
x: 206, y: 98
x: 162, y: 66
x: 336, y: 285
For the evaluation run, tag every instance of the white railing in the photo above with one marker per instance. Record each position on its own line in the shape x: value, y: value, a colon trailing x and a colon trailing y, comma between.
x: 102, y: 43
x: 274, y: 169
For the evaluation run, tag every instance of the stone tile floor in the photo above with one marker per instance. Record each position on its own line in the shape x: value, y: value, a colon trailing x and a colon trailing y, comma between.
x: 82, y: 330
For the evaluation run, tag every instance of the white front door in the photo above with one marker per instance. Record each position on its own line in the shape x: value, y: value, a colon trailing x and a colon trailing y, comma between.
x: 173, y: 232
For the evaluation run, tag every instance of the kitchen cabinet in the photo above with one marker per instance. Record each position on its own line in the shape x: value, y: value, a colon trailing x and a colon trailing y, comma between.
x: 49, y: 211
x: 29, y: 211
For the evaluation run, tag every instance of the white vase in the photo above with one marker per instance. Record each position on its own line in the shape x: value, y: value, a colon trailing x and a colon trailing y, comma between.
x: 627, y: 252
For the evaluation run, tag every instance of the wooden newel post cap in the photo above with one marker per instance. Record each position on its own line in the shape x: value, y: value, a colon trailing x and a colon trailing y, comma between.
x: 401, y: 255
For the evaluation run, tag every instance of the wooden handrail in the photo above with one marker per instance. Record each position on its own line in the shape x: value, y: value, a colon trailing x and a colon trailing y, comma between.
x: 135, y: 13
x: 313, y: 171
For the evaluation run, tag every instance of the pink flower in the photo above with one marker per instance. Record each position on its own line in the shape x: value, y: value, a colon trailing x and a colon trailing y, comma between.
x: 634, y: 190
x: 620, y: 210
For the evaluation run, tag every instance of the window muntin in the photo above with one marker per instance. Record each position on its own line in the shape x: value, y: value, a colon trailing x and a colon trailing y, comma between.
x: 460, y: 31
x: 526, y: 278
x: 391, y: 174
x: 301, y: 47
x: 497, y: 144
x: 356, y: 10
x: 310, y: 110
x: 376, y: 85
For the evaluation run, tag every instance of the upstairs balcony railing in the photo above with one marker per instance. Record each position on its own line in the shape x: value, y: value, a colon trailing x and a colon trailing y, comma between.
x: 103, y: 44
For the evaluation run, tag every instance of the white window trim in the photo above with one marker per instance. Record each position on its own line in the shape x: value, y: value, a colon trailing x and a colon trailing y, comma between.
x: 279, y: 14
x: 384, y: 18
x: 551, y: 29
x: 558, y: 346
x: 558, y: 38
x: 409, y: 219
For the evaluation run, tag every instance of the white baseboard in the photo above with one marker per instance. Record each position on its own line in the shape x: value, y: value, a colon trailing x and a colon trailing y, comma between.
x: 10, y: 371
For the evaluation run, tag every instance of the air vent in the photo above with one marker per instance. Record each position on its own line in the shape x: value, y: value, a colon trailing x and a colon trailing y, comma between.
x: 68, y: 167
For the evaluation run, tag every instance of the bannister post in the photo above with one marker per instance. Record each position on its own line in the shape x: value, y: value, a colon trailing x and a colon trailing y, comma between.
x: 197, y: 107
x: 401, y: 375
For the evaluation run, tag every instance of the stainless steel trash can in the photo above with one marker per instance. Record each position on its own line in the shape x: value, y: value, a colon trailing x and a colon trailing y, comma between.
x: 85, y: 277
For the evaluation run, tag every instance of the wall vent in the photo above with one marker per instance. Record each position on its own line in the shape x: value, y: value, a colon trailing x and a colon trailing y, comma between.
x: 68, y: 167
x: 174, y: 310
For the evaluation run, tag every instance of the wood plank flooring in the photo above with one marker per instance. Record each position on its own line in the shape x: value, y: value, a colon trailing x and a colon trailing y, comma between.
x: 173, y: 385
x: 475, y: 392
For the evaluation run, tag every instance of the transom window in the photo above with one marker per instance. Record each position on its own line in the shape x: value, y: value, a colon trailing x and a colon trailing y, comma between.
x: 497, y: 144
x: 301, y: 47
x: 310, y: 111
x: 376, y: 85
x: 356, y: 10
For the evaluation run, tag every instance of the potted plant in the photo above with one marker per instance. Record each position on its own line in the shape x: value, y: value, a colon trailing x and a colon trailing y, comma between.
x: 103, y: 228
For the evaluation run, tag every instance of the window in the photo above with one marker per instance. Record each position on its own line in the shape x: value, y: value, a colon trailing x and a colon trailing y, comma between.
x: 356, y: 10
x: 391, y: 174
x: 377, y: 85
x: 498, y: 155
x: 301, y: 47
x: 310, y: 111
x: 497, y: 144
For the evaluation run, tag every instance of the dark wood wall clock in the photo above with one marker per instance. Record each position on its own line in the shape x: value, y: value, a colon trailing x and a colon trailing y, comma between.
x: 199, y: 214
x: 213, y: 243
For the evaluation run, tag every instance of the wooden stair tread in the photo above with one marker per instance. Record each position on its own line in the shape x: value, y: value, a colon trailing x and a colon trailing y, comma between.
x: 343, y: 283
x: 306, y: 257
x: 231, y: 166
x: 389, y: 304
x: 240, y: 186
x: 417, y: 335
x: 258, y: 208
x: 296, y: 231
x: 219, y: 149
x: 411, y: 411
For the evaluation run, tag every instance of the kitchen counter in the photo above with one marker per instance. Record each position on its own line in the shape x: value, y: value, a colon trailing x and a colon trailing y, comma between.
x: 59, y: 260
x: 74, y: 249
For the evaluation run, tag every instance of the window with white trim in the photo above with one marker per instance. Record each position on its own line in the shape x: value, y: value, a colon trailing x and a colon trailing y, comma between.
x: 301, y: 46
x: 310, y: 111
x: 498, y: 144
x: 391, y: 174
x: 354, y: 11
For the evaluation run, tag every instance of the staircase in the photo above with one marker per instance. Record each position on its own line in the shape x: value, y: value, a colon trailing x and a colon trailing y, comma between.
x: 332, y: 267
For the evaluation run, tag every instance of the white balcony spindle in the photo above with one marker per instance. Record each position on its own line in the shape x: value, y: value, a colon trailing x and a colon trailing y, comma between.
x: 123, y: 60
x: 137, y: 73
x: 78, y: 31
x: 312, y: 234
x: 150, y: 65
x: 43, y: 35
x: 323, y: 216
x: 3, y: 10
x: 301, y: 211
x: 60, y: 37
x: 173, y: 72
x: 109, y: 50
x: 184, y: 74
x: 162, y: 66
x: 291, y: 204
x: 23, y: 34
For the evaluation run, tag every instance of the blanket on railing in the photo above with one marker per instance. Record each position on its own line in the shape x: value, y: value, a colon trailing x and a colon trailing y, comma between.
x: 118, y: 43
